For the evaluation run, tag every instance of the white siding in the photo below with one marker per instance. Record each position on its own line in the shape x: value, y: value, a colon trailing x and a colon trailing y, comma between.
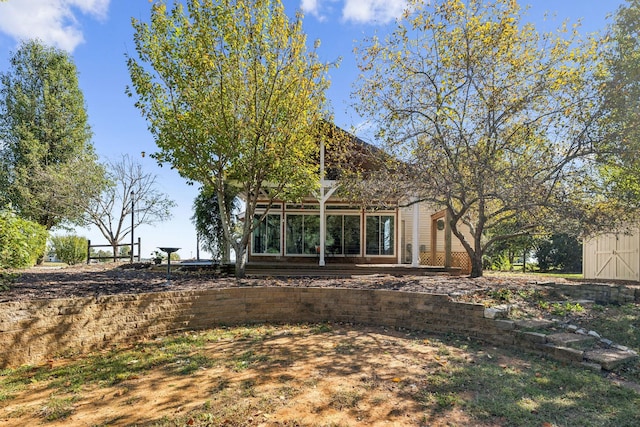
x: 426, y: 211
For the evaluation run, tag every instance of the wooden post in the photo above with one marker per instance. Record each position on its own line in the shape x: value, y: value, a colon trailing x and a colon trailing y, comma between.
x: 323, y: 223
x: 415, y: 238
x: 88, y: 251
x: 447, y: 240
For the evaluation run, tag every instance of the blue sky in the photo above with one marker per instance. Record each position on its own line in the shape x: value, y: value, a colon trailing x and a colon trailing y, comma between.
x: 98, y: 34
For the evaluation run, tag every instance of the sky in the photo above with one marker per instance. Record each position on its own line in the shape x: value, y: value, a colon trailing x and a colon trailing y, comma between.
x: 98, y: 35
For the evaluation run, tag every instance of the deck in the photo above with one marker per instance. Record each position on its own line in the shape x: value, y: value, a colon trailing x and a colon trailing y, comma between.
x: 330, y: 270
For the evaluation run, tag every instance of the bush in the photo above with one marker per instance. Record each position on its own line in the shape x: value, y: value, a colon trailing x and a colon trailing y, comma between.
x: 560, y: 252
x: 70, y: 249
x: 22, y: 242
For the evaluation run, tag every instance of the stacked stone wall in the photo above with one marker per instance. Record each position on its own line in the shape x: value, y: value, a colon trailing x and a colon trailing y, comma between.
x: 33, y: 331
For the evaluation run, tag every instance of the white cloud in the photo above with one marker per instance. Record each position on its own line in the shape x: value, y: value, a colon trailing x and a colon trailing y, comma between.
x: 52, y: 21
x: 364, y: 11
x: 310, y: 6
x: 317, y: 8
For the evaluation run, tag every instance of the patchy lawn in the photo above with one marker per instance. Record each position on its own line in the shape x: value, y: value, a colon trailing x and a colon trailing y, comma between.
x: 311, y: 375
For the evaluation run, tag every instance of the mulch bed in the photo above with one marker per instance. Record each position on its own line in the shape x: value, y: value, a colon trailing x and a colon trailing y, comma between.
x: 109, y: 279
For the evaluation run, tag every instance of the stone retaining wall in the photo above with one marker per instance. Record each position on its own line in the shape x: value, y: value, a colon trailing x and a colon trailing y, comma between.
x: 602, y: 293
x: 32, y: 331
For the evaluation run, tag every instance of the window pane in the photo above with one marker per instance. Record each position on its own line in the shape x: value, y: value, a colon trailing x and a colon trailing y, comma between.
x: 380, y: 235
x: 373, y: 235
x: 294, y: 234
x: 311, y: 234
x: 266, y: 236
x: 351, y: 235
x: 386, y: 231
x: 333, y: 243
x: 273, y: 234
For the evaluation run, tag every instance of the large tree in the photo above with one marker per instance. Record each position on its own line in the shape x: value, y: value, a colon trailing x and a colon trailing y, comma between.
x: 206, y: 217
x: 622, y: 101
x: 48, y: 168
x: 492, y: 120
x: 233, y: 97
x: 128, y: 188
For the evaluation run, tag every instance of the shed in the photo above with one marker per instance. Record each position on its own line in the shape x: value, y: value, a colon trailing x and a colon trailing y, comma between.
x: 612, y: 256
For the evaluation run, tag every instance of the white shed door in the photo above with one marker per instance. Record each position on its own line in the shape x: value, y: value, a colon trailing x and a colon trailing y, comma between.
x: 614, y: 256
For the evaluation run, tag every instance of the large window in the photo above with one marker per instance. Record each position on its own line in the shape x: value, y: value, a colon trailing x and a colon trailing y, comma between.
x: 303, y: 234
x: 343, y: 235
x: 266, y: 236
x: 380, y: 232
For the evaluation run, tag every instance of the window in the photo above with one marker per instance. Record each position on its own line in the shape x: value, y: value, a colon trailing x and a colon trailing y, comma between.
x: 380, y: 235
x: 266, y: 236
x: 343, y: 235
x: 303, y: 234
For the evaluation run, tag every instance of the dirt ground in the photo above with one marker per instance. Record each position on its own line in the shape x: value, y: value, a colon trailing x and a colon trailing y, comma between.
x: 348, y: 376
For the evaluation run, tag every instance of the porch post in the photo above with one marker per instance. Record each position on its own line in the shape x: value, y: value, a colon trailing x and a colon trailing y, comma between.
x: 323, y: 225
x: 447, y: 240
x: 400, y: 241
x: 415, y: 247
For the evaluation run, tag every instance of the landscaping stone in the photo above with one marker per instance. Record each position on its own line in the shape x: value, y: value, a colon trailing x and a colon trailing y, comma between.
x: 564, y: 354
x: 594, y: 334
x: 535, y: 323
x: 610, y: 359
x: 571, y: 340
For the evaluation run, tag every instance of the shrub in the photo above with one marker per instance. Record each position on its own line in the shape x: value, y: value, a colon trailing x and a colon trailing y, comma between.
x: 22, y: 242
x: 70, y: 249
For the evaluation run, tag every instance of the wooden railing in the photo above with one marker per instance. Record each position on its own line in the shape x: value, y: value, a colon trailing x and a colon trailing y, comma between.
x: 115, y: 256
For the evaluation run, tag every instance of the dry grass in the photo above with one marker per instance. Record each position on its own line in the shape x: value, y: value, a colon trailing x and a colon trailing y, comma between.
x: 311, y: 375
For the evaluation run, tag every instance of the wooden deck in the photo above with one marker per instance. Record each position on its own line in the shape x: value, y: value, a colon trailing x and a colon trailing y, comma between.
x: 343, y: 270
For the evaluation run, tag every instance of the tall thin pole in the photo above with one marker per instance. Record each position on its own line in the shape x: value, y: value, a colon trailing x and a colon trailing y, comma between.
x: 132, y: 225
x: 197, y: 246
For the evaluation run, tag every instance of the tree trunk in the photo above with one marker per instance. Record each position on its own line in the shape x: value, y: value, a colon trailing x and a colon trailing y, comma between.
x: 476, y: 265
x: 241, y: 260
x: 226, y: 252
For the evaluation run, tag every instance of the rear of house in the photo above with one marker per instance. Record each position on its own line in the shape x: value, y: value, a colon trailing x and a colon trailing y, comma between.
x: 330, y: 228
x: 353, y: 234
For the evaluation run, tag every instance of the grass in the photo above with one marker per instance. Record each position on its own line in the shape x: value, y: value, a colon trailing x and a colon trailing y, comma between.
x: 548, y: 274
x: 487, y: 385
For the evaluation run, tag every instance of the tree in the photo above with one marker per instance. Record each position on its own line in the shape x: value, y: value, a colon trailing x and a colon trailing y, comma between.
x: 490, y: 119
x: 559, y: 251
x: 128, y: 184
x: 48, y: 168
x: 502, y: 254
x: 233, y: 98
x: 206, y: 217
x: 622, y: 102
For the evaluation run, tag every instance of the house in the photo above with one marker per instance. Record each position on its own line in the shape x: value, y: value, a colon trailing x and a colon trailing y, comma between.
x: 612, y: 256
x: 394, y: 232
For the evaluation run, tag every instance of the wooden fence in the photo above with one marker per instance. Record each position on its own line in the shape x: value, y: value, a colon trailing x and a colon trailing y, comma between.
x: 115, y: 255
